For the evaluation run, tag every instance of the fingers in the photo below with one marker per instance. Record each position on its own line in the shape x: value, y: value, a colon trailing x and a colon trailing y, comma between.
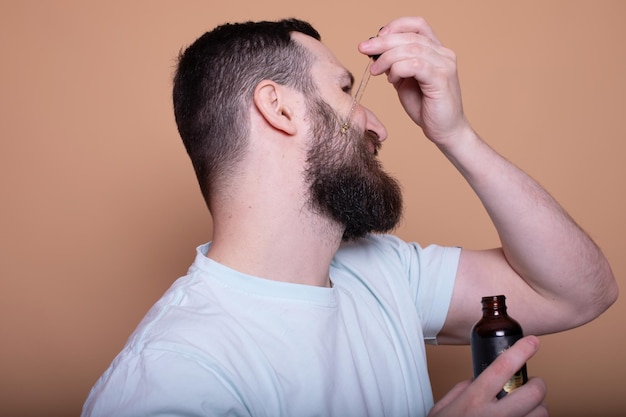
x: 399, y: 46
x: 492, y: 379
x: 528, y: 400
x: 401, y: 31
x: 478, y: 398
x: 411, y: 25
x: 424, y: 74
x: 525, y: 401
x: 408, y: 48
x: 463, y: 400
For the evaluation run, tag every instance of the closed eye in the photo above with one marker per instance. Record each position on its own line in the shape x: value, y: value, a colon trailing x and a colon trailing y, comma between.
x: 346, y: 81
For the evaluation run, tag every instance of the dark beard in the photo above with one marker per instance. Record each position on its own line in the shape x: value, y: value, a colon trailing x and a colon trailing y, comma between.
x: 347, y: 182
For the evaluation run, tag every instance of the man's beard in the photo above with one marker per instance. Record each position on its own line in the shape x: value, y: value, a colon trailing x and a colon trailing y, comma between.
x: 347, y: 182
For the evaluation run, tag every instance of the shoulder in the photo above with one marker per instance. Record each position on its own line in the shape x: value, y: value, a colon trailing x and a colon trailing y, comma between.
x: 390, y: 249
x: 373, y: 246
x: 375, y: 259
x: 155, y: 380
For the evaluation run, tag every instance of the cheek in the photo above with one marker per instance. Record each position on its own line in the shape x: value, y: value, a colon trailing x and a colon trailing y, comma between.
x: 341, y: 102
x: 327, y: 141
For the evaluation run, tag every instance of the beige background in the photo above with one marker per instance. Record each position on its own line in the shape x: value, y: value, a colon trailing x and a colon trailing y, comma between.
x: 100, y: 211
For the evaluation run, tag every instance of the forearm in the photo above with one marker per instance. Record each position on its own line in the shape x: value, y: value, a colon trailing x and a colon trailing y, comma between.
x: 546, y: 258
x: 541, y: 242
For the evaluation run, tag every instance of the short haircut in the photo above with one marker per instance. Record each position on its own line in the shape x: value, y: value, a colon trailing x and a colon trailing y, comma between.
x: 214, y: 85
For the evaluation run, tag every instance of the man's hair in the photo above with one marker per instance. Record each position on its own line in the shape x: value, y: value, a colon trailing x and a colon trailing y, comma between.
x: 214, y: 85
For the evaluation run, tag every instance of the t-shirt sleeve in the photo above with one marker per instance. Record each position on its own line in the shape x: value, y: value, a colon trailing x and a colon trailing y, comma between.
x: 432, y: 274
x: 428, y: 275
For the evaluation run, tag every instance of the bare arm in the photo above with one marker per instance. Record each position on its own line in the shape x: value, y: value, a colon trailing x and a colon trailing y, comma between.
x: 554, y: 275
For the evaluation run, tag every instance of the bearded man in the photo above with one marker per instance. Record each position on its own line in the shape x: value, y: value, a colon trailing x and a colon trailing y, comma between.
x: 303, y: 304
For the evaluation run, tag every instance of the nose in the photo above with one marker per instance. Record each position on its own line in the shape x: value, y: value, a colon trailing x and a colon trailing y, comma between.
x: 375, y: 125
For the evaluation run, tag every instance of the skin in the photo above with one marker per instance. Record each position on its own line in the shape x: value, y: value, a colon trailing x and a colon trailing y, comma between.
x: 546, y: 259
x: 264, y: 227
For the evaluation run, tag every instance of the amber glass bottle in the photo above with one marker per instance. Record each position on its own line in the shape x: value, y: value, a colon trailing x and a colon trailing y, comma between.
x: 494, y: 333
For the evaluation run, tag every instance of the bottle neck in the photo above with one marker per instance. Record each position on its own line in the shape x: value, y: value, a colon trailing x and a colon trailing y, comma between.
x: 494, y: 306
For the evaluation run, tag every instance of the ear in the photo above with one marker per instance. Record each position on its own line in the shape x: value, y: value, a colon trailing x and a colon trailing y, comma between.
x: 272, y: 100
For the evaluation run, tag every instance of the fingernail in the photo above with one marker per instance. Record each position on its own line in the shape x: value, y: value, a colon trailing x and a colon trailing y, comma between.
x: 374, y: 57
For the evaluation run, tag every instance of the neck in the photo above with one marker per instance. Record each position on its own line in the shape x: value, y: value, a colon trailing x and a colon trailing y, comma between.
x: 276, y: 241
x: 263, y: 225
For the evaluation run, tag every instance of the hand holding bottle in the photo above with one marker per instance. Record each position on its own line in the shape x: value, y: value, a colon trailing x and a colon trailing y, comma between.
x: 477, y: 398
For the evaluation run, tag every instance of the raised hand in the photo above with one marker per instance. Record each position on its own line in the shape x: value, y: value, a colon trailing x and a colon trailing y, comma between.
x: 423, y: 72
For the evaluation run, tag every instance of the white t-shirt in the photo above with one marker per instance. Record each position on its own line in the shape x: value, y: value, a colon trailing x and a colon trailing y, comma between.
x: 222, y: 343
